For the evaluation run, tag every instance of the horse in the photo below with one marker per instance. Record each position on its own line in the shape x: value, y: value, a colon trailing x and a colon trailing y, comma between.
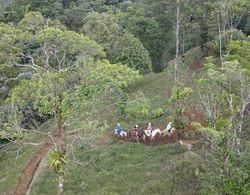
x: 172, y: 130
x: 168, y: 132
x: 147, y: 132
x: 151, y: 134
x: 154, y: 132
x: 122, y: 133
x: 136, y: 134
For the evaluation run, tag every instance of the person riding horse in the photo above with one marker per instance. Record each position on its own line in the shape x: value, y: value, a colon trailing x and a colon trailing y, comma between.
x: 150, y: 127
x: 169, y: 127
x: 135, y: 131
x: 118, y: 129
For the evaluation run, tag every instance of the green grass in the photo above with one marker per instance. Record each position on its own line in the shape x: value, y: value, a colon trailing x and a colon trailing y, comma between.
x: 11, y: 166
x: 157, y: 87
x: 123, y: 168
x: 116, y: 168
x: 46, y: 183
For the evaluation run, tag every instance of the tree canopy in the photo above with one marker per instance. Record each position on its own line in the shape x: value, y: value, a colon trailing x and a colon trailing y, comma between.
x: 77, y: 65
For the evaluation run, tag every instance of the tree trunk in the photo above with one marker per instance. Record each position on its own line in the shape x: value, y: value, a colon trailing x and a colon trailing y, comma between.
x: 220, y: 38
x: 61, y: 184
x: 60, y: 129
x: 60, y: 142
x: 58, y: 132
x: 177, y: 38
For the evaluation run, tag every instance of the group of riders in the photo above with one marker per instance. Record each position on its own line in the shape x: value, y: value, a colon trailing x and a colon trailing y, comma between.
x: 149, y: 131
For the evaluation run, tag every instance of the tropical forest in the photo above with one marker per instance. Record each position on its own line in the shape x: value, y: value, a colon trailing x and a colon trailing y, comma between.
x: 124, y: 97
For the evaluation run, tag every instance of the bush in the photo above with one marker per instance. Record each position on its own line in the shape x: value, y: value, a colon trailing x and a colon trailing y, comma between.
x: 179, y: 124
x: 12, y: 135
x: 127, y: 49
x: 138, y: 107
x: 157, y: 112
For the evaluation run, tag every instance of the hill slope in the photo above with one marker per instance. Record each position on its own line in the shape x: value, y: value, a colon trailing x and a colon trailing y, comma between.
x: 111, y: 166
x: 126, y: 168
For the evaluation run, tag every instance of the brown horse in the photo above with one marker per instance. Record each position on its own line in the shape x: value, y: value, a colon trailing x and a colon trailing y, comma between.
x: 136, y: 134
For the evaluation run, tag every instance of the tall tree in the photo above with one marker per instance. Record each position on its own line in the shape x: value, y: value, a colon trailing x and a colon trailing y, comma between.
x: 177, y: 31
x: 120, y: 45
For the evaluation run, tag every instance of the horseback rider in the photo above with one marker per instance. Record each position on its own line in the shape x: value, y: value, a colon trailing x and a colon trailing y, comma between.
x: 118, y: 129
x: 169, y: 127
x: 150, y: 127
x: 135, y: 131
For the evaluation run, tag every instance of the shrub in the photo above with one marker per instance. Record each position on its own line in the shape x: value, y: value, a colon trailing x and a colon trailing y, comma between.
x: 157, y: 112
x: 138, y: 107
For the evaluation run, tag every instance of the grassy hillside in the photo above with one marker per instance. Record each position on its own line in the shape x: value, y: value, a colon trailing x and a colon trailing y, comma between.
x: 126, y: 168
x: 119, y: 168
x: 113, y: 167
x: 12, y: 161
x: 14, y: 158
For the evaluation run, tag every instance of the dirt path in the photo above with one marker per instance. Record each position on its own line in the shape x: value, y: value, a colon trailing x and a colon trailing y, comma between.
x: 30, y: 170
x: 42, y: 165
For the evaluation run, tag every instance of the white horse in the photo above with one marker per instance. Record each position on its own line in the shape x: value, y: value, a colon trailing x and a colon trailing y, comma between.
x: 154, y: 132
x: 147, y: 133
x: 122, y: 133
x: 151, y: 134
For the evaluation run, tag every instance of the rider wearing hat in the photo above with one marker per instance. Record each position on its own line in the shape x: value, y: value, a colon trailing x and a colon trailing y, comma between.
x: 118, y: 128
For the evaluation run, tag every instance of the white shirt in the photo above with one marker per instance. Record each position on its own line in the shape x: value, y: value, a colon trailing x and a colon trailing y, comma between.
x: 169, y: 126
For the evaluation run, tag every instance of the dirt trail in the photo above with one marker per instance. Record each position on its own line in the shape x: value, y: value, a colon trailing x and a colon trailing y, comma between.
x: 30, y: 169
x: 42, y: 165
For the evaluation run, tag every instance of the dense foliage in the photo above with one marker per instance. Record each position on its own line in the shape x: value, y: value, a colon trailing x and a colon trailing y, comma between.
x: 71, y: 61
x: 153, y: 23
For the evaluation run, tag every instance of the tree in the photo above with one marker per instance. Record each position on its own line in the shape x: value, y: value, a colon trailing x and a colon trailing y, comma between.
x: 128, y: 50
x: 163, y: 12
x: 121, y: 47
x: 177, y: 31
x: 215, y: 177
x: 73, y: 17
x: 102, y: 27
x: 32, y: 21
x: 148, y: 31
x: 228, y: 99
x: 11, y: 40
x: 226, y: 87
x: 229, y: 15
x: 56, y: 52
x: 106, y: 83
x: 67, y: 74
x: 56, y: 159
x: 224, y: 102
x: 240, y: 50
x: 209, y: 93
x: 178, y: 97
